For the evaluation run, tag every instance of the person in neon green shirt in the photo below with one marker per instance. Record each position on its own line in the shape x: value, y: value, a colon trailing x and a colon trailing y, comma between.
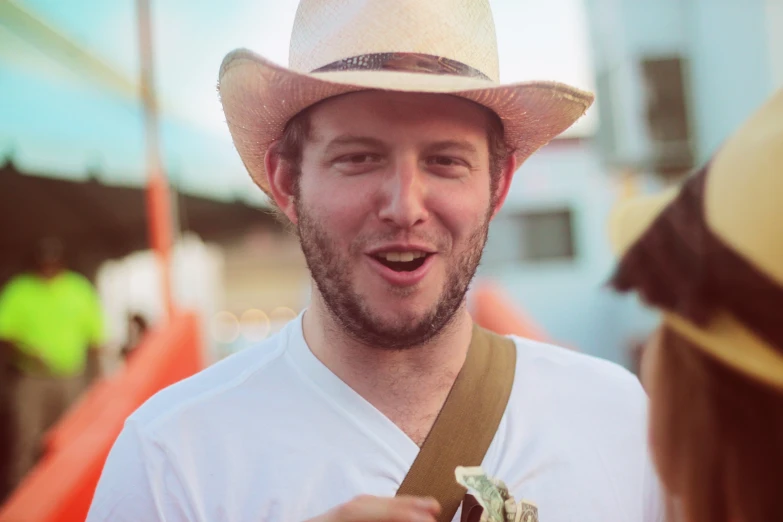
x: 51, y: 326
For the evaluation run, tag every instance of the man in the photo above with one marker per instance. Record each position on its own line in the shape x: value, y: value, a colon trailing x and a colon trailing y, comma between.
x: 389, y: 147
x: 50, y: 330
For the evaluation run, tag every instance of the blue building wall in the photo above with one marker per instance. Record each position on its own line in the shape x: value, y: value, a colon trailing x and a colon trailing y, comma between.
x: 731, y: 67
x: 567, y: 298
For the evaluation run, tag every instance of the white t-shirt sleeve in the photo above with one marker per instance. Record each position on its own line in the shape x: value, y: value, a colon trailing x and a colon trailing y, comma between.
x: 138, y: 483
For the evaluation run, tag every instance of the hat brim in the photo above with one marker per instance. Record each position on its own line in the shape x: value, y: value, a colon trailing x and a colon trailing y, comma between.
x: 724, y: 338
x: 631, y: 218
x: 259, y: 97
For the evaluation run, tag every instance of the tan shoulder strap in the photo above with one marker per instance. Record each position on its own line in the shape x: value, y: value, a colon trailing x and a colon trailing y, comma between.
x: 467, y: 422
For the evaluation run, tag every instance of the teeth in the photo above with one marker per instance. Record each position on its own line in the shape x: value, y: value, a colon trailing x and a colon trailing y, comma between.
x: 402, y: 257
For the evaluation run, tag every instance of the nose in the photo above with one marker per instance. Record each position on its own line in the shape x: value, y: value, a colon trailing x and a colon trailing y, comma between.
x: 403, y: 195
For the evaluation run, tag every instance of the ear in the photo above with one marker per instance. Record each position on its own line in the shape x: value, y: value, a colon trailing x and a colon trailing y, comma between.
x: 282, y: 182
x: 504, y: 183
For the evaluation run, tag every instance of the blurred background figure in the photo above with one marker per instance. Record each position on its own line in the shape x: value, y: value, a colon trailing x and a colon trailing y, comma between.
x: 137, y: 328
x: 6, y: 423
x: 51, y: 329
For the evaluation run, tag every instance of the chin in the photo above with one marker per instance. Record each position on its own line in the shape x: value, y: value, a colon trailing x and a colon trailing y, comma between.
x: 406, y: 301
x: 390, y: 312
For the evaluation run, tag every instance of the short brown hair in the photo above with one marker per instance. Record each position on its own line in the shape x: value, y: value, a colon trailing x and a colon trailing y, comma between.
x: 297, y: 131
x: 718, y: 436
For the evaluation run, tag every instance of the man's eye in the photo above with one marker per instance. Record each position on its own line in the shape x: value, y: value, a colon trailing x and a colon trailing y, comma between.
x: 444, y: 161
x: 359, y: 159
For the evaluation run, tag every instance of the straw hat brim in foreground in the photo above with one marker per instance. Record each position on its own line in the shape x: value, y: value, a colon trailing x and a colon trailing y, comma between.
x: 260, y: 97
x: 724, y: 338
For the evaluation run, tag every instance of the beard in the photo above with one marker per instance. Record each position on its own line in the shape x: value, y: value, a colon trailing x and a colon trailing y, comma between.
x: 332, y: 274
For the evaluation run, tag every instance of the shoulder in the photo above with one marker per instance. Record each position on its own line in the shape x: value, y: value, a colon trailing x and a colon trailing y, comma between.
x: 211, y: 388
x: 177, y: 420
x: 575, y: 368
x: 17, y: 284
x: 77, y: 281
x: 577, y: 383
x: 17, y: 293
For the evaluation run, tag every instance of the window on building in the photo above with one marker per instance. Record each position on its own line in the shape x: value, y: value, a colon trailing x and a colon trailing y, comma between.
x: 547, y: 235
x: 668, y: 121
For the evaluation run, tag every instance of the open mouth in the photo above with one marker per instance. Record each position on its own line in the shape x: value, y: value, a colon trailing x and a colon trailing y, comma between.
x: 402, y: 261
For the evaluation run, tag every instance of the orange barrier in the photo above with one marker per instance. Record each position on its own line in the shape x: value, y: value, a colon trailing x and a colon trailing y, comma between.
x: 61, y: 486
x: 492, y: 310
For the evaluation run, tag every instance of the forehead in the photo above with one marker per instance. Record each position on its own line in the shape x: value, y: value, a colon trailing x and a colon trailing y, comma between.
x: 386, y: 111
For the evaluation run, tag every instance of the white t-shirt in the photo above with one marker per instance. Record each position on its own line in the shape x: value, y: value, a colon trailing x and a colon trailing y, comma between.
x: 271, y: 434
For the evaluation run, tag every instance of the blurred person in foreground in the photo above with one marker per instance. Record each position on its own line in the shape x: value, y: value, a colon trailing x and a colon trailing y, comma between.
x: 389, y: 147
x: 50, y: 330
x: 710, y: 255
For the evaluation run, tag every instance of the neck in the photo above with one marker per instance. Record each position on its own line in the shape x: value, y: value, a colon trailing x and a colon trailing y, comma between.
x: 409, y: 386
x: 48, y: 275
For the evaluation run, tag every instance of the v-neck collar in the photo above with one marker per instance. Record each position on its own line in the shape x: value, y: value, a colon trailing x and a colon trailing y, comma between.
x: 346, y: 399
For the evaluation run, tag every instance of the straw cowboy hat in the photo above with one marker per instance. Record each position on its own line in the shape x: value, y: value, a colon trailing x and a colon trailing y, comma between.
x: 710, y: 253
x: 429, y: 46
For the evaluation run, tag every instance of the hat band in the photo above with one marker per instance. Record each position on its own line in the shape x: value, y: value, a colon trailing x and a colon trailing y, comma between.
x: 680, y: 265
x: 404, y: 62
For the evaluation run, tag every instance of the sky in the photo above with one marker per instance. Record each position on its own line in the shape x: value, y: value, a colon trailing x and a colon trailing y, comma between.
x: 537, y: 40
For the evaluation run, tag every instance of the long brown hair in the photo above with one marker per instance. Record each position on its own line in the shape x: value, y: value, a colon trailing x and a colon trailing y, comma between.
x: 717, y: 437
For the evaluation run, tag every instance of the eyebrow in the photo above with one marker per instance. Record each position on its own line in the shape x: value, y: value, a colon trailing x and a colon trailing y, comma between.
x: 431, y: 148
x: 464, y: 146
x: 349, y: 139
